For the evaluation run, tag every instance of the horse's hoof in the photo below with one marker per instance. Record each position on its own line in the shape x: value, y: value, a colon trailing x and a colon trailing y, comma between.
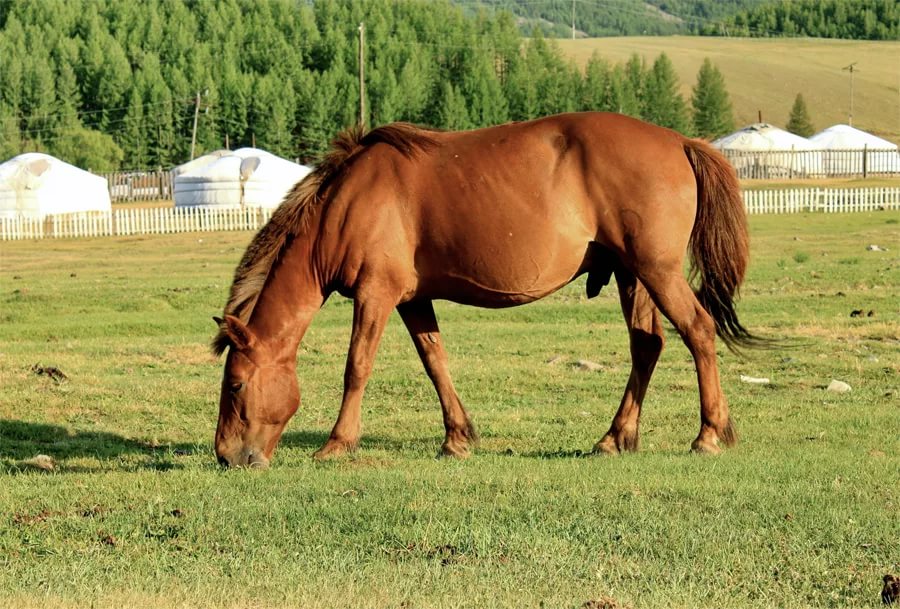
x: 455, y: 451
x: 332, y: 449
x: 606, y: 446
x: 703, y: 447
x: 615, y: 443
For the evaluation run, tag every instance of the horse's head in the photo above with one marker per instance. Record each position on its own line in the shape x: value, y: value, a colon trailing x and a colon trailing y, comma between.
x: 259, y: 395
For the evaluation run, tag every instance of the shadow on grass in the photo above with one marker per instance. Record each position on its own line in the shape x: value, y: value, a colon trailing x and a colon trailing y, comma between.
x: 22, y: 440
x: 425, y: 445
x: 303, y: 440
x: 561, y: 454
x: 313, y: 440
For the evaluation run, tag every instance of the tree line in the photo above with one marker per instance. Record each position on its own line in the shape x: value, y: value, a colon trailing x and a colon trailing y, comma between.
x: 651, y: 18
x: 108, y: 84
x: 853, y: 19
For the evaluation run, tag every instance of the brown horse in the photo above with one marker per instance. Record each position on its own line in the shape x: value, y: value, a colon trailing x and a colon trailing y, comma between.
x: 496, y: 217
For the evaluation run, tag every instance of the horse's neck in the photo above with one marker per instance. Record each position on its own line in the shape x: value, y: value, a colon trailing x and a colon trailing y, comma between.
x: 289, y: 299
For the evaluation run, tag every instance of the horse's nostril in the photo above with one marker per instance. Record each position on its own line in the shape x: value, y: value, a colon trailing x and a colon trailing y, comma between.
x: 223, y: 461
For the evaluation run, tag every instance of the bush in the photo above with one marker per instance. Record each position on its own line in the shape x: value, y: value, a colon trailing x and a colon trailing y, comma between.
x: 88, y: 149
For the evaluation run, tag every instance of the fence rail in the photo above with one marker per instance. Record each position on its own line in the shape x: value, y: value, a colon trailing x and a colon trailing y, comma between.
x: 792, y: 164
x: 167, y: 220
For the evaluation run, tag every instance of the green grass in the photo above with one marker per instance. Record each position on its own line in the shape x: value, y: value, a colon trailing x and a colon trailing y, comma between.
x: 803, y: 513
x: 766, y: 74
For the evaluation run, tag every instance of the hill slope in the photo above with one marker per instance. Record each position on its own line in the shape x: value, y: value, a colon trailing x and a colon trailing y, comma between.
x: 766, y: 74
x: 616, y: 18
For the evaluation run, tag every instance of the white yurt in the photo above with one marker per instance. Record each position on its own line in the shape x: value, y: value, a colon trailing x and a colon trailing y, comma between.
x: 844, y: 148
x: 247, y: 177
x: 35, y: 185
x: 764, y: 151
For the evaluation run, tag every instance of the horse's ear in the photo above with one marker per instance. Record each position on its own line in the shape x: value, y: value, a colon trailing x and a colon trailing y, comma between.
x: 219, y: 321
x: 241, y: 336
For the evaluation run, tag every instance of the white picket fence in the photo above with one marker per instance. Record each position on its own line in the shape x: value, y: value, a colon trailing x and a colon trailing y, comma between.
x: 828, y: 200
x: 146, y: 221
x: 166, y: 220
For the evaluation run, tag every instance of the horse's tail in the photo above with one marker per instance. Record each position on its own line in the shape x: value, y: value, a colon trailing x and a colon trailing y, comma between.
x: 720, y: 242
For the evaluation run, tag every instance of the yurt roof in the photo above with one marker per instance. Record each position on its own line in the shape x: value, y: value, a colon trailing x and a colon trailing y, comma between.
x: 200, y: 161
x: 845, y: 137
x: 762, y: 136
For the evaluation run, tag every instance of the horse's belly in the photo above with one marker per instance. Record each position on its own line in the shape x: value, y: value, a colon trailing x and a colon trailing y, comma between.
x: 504, y: 272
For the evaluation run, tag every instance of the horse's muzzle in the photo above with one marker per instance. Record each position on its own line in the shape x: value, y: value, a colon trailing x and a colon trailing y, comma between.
x: 245, y: 458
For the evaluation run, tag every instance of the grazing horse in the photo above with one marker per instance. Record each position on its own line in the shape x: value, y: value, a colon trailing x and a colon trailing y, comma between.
x: 496, y: 217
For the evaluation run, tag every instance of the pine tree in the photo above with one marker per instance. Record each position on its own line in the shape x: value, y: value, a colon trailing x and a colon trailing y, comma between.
x: 68, y: 98
x: 636, y: 75
x: 520, y: 89
x: 234, y: 105
x: 416, y: 80
x: 487, y: 104
x: 452, y: 112
x: 593, y: 87
x: 159, y: 124
x: 385, y: 95
x: 556, y: 75
x: 620, y: 94
x: 9, y: 133
x: 712, y: 108
x: 132, y: 133
x: 662, y: 103
x: 799, y: 122
x: 272, y: 114
x: 38, y: 97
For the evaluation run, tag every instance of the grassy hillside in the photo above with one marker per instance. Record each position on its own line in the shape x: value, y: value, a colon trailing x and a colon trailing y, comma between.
x: 766, y: 75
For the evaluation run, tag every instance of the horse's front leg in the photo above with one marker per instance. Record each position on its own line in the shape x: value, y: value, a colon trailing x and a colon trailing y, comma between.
x: 423, y: 328
x: 370, y: 316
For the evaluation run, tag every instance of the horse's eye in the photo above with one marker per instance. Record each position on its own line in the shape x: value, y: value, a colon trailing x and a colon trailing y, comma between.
x: 236, y: 387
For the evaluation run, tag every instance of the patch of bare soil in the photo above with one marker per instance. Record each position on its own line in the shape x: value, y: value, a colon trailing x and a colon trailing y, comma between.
x: 604, y: 602
x: 52, y: 371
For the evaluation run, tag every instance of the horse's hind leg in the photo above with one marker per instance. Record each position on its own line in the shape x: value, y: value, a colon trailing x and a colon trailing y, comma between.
x: 675, y: 298
x: 370, y: 316
x: 423, y: 328
x: 646, y: 339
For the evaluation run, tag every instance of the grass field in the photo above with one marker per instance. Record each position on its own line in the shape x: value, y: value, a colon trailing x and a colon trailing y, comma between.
x: 766, y: 75
x: 802, y: 513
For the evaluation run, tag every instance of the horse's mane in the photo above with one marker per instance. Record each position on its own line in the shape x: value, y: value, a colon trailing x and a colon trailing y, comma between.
x: 267, y: 247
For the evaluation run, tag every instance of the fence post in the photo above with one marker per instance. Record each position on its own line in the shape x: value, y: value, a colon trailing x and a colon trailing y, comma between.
x: 865, y: 163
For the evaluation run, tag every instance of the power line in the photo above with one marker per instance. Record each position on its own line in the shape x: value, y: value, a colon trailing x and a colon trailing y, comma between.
x: 82, y: 113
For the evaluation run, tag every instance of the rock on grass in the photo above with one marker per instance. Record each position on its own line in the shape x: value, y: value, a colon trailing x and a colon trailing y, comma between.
x: 41, y: 462
x: 588, y: 366
x: 838, y: 386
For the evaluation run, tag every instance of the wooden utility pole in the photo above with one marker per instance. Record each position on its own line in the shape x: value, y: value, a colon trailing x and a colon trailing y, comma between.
x: 194, y: 132
x: 573, y: 19
x: 850, y: 69
x: 362, y: 74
